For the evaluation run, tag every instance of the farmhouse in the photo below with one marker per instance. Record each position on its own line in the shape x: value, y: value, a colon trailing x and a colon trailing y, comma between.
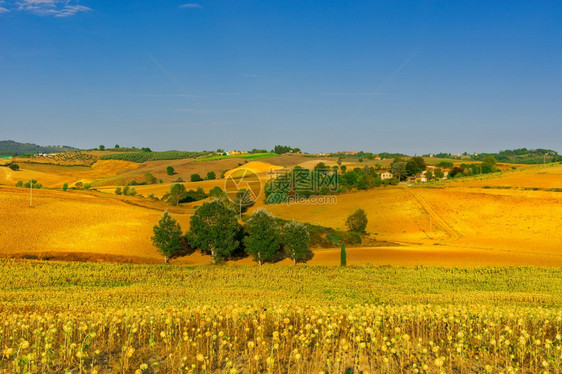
x: 386, y: 175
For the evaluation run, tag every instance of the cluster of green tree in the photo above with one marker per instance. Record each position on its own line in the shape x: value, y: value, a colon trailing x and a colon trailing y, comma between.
x: 467, y: 170
x: 359, y: 155
x: 522, y: 156
x: 30, y: 183
x: 438, y: 155
x: 215, y: 230
x: 148, y: 178
x: 402, y: 169
x: 12, y: 148
x: 256, y: 151
x: 124, y: 149
x: 386, y: 155
x: 140, y: 157
x: 280, y: 149
x: 322, y: 180
x: 126, y: 191
x: 179, y: 194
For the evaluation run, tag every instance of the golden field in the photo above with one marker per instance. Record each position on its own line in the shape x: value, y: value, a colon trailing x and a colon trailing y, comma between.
x: 474, y: 287
x: 109, y: 318
x: 470, y: 221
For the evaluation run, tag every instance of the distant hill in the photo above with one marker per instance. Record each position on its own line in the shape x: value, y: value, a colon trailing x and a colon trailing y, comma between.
x: 522, y: 156
x: 12, y: 148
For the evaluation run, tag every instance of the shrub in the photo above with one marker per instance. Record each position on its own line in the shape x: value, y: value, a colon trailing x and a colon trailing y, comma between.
x: 14, y: 167
x: 118, y: 191
x: 211, y: 175
x: 19, y: 184
x: 196, y: 178
x: 149, y: 178
x: 445, y: 165
x: 65, y: 187
x: 132, y: 191
x: 357, y: 221
x: 170, y: 170
x: 179, y: 180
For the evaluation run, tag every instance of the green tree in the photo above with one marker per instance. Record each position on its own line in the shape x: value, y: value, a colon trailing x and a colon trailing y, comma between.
x: 118, y: 191
x: 14, y: 167
x: 170, y: 170
x: 126, y: 189
x: 211, y: 175
x: 65, y: 187
x: 429, y: 175
x: 491, y: 160
x: 214, y: 227
x: 176, y: 195
x: 343, y: 255
x: 445, y: 164
x: 357, y: 221
x: 296, y: 239
x: 19, y: 184
x: 487, y: 167
x: 102, y: 147
x: 132, y: 191
x: 262, y: 240
x: 149, y: 178
x: 167, y: 236
x: 399, y: 169
x: 439, y: 173
x: 196, y: 178
x: 217, y: 192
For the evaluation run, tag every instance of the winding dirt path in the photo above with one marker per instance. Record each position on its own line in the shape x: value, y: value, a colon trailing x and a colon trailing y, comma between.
x: 436, y: 217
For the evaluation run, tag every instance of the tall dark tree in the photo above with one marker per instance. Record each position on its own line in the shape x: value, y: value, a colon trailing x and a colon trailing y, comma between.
x: 262, y: 240
x: 167, y: 236
x: 214, y: 228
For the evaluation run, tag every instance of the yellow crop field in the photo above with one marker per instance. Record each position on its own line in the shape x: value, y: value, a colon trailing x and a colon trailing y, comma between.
x: 155, y: 319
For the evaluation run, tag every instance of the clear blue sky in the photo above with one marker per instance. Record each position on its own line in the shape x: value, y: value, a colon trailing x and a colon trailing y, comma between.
x: 479, y: 76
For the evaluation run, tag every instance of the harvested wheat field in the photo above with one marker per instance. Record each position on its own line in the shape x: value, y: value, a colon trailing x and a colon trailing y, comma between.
x: 454, y: 223
x: 76, y: 222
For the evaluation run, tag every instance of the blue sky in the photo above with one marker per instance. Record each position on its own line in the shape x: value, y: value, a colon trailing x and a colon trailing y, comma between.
x: 413, y: 77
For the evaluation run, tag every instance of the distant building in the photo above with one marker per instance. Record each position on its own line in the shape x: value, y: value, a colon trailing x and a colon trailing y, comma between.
x: 233, y: 153
x: 386, y: 175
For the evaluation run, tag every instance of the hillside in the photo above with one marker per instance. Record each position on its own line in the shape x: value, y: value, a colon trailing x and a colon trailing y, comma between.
x: 12, y: 148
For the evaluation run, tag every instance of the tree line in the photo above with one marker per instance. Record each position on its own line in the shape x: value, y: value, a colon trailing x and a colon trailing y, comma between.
x: 215, y: 230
